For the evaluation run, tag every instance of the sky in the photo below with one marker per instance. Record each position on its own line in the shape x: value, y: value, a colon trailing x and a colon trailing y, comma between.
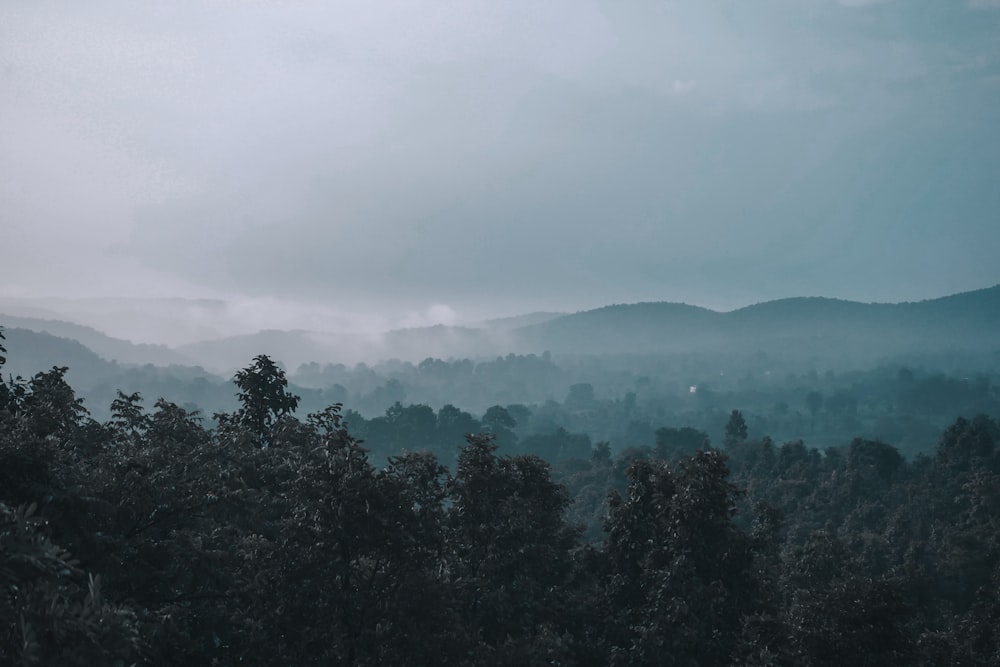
x: 446, y: 160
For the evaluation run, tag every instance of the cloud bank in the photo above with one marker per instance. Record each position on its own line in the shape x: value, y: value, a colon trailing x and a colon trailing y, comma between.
x: 378, y: 159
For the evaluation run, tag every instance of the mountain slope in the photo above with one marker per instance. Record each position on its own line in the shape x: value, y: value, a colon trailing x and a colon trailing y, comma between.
x: 640, y: 327
x: 803, y: 328
x: 293, y: 348
x: 30, y: 352
x: 111, y: 349
x: 805, y: 325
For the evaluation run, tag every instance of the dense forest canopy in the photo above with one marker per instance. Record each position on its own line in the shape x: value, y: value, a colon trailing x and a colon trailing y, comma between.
x: 266, y: 535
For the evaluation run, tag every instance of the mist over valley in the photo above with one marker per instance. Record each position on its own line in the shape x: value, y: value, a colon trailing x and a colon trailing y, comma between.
x: 674, y: 364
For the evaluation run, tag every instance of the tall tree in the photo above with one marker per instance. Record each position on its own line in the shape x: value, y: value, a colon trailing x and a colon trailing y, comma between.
x: 263, y: 397
x: 511, y: 545
x: 681, y: 573
x: 736, y: 428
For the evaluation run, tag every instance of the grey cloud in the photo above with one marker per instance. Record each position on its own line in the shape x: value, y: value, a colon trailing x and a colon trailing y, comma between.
x: 531, y: 156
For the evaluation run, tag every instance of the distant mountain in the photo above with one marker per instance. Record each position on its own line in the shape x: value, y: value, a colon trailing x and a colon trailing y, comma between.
x: 518, y: 321
x: 293, y: 348
x: 979, y: 307
x: 960, y: 319
x: 30, y: 352
x: 171, y: 321
x: 97, y: 380
x: 444, y: 342
x: 639, y: 327
x: 800, y: 327
x: 111, y: 349
x: 841, y: 333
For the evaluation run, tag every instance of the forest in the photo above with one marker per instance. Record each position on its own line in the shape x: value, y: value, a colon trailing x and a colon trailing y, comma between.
x: 271, y: 533
x: 905, y: 399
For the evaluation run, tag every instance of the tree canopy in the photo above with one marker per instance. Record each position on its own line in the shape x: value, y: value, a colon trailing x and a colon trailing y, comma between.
x: 268, y: 538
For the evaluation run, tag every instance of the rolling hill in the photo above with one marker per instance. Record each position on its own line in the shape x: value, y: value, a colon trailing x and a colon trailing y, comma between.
x: 111, y: 349
x: 968, y: 321
x: 840, y: 332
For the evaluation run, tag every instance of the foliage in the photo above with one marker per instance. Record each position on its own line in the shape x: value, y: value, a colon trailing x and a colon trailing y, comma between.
x: 267, y: 538
x: 263, y: 397
x: 50, y: 613
x: 736, y: 428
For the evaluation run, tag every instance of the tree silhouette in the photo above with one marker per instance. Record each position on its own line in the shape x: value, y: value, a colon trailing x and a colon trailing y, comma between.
x: 263, y: 396
x: 736, y: 428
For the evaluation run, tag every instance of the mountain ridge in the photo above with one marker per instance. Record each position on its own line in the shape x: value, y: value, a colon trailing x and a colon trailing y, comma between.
x: 792, y: 325
x: 105, y: 346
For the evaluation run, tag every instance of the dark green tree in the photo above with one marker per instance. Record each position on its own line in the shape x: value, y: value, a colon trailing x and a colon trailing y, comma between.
x: 966, y: 442
x: 263, y: 397
x: 129, y: 422
x: 681, y: 578
x: 580, y: 396
x: 53, y: 406
x: 814, y: 401
x: 12, y: 392
x: 500, y: 424
x: 453, y: 425
x: 51, y: 613
x: 736, y: 429
x: 511, y: 546
x: 601, y: 453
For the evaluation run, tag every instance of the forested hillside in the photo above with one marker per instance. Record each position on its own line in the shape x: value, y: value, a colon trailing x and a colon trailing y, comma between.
x: 108, y: 348
x: 817, y: 369
x: 844, y: 334
x: 269, y: 536
x: 806, y: 331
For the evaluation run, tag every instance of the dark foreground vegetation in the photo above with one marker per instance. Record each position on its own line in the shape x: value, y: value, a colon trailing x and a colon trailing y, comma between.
x: 270, y: 539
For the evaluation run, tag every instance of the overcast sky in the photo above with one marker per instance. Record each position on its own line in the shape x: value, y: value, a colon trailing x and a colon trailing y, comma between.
x: 499, y: 157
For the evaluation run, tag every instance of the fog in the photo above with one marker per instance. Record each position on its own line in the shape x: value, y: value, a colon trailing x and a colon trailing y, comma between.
x: 349, y: 166
x: 176, y: 321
